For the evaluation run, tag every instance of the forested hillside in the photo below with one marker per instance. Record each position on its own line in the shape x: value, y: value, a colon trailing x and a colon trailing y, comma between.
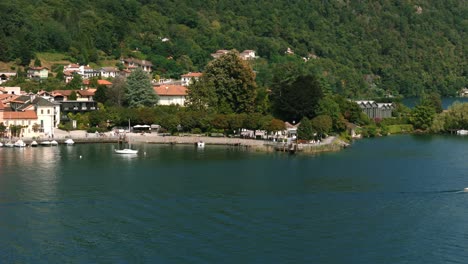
x: 361, y: 48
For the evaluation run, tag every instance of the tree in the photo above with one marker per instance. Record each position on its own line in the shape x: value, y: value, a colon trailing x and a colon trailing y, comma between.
x: 59, y: 75
x: 116, y: 93
x: 233, y: 83
x: 2, y: 129
x: 36, y: 127
x: 201, y: 95
x: 139, y: 91
x: 433, y: 100
x: 274, y: 125
x: 305, y: 129
x: 101, y: 94
x: 328, y: 106
x: 37, y: 62
x: 322, y: 124
x: 73, y: 96
x: 422, y: 117
x: 297, y: 99
x: 76, y: 82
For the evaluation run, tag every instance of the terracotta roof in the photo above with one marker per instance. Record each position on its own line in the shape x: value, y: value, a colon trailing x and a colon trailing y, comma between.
x: 2, y: 106
x: 7, y: 96
x: 37, y: 68
x: 170, y: 90
x: 61, y: 92
x: 85, y: 92
x: 193, y: 74
x: 69, y: 73
x: 20, y: 115
x: 104, y: 82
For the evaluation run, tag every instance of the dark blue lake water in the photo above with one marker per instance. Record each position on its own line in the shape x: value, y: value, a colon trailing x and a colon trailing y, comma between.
x: 396, y: 199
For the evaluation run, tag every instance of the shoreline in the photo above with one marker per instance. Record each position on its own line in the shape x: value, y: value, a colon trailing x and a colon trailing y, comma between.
x: 330, y: 144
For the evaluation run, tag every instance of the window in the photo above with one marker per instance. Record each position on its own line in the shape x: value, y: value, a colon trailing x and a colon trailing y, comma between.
x: 42, y: 111
x: 48, y: 111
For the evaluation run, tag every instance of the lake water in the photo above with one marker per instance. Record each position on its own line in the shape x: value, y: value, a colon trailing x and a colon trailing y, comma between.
x: 446, y: 101
x: 395, y: 199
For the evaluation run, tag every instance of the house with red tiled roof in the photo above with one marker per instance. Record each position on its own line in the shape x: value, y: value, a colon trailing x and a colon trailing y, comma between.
x: 86, y: 83
x: 38, y: 73
x: 188, y: 78
x: 171, y: 94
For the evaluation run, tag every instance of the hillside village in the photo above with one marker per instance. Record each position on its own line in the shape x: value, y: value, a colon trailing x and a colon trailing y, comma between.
x: 39, y: 114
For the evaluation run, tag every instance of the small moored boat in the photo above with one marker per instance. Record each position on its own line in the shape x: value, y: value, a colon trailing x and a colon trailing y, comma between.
x: 200, y: 144
x: 126, y: 151
x: 69, y: 142
x: 20, y: 144
x: 54, y: 143
x: 33, y: 144
x: 45, y: 143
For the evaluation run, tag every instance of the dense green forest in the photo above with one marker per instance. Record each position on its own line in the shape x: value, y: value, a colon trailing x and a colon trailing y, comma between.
x: 360, y: 48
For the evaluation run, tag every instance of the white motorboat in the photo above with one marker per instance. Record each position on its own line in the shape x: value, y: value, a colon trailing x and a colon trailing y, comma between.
x: 69, y: 142
x: 54, y: 143
x: 126, y: 151
x: 45, y: 143
x: 200, y: 144
x: 33, y: 144
x: 1, y: 144
x: 20, y: 144
x: 9, y: 144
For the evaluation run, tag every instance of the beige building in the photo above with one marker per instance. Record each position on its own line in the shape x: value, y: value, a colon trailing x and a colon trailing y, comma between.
x: 171, y: 94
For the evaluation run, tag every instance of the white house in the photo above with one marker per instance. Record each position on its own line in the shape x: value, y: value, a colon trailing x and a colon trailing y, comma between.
x: 48, y: 115
x: 10, y: 90
x: 187, y: 78
x: 29, y: 110
x: 87, y: 72
x: 109, y: 72
x: 247, y: 55
x: 38, y: 73
x: 171, y: 94
x: 132, y: 64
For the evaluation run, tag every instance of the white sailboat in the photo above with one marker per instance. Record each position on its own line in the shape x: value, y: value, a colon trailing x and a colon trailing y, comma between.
x: 128, y: 150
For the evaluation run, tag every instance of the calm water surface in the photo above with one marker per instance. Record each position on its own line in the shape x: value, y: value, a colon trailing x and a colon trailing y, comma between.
x: 387, y: 200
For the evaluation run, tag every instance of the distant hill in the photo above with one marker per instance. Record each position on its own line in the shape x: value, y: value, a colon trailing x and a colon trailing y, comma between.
x: 362, y: 48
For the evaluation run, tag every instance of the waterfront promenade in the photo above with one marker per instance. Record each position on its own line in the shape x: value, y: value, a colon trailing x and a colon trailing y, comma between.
x: 330, y: 143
